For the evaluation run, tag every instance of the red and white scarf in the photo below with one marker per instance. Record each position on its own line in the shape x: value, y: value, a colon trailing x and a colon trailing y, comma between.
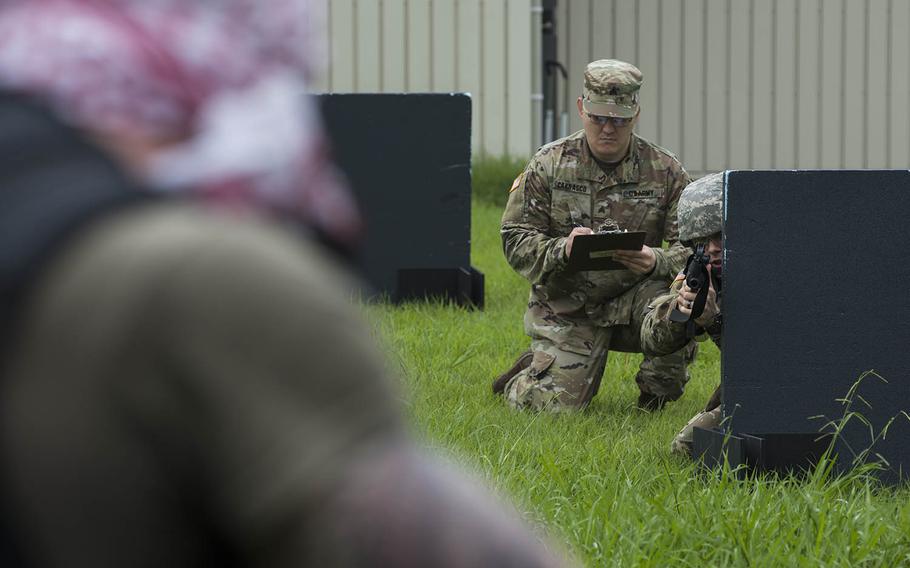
x: 227, y: 77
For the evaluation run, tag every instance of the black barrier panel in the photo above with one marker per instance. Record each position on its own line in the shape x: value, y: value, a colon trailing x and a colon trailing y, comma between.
x: 816, y: 280
x: 714, y: 447
x: 785, y: 454
x: 407, y: 158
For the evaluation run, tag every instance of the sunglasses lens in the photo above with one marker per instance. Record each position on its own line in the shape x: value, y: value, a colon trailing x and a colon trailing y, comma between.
x: 602, y: 120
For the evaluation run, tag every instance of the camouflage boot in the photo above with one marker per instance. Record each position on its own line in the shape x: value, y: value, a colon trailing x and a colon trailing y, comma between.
x: 524, y: 360
x: 682, y: 443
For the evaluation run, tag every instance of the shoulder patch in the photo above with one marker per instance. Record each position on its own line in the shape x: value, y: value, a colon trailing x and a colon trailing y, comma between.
x: 517, y: 182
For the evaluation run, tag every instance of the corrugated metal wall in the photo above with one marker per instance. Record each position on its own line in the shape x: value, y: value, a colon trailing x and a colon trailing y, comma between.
x: 484, y: 47
x: 758, y: 84
x: 728, y: 83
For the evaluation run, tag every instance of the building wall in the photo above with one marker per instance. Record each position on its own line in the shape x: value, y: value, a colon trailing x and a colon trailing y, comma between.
x: 758, y: 84
x: 740, y: 84
x: 483, y: 47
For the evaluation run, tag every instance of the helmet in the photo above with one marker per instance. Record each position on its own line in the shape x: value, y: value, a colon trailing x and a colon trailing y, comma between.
x: 700, y: 208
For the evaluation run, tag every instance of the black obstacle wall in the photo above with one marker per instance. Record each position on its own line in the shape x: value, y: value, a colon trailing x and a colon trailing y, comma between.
x: 817, y: 293
x: 407, y: 158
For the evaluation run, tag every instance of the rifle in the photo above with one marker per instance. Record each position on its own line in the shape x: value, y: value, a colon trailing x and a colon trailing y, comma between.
x: 697, y: 279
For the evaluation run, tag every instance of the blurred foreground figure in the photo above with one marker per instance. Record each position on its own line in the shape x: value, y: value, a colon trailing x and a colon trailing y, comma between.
x: 183, y: 380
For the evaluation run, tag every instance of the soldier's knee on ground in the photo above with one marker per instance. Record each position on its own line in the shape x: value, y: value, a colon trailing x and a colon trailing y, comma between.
x: 668, y: 388
x: 541, y: 387
x: 665, y: 376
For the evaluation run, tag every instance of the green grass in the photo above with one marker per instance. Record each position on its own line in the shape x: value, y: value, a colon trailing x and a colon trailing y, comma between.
x: 491, y: 178
x: 602, y: 482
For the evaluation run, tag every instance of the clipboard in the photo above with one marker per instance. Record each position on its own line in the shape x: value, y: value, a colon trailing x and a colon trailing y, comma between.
x: 595, y: 252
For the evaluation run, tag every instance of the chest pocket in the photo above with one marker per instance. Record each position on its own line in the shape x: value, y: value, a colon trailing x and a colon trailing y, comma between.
x: 633, y: 209
x: 569, y: 209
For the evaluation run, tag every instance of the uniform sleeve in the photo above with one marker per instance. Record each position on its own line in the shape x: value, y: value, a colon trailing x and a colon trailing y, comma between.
x: 671, y: 261
x: 660, y: 336
x: 526, y: 242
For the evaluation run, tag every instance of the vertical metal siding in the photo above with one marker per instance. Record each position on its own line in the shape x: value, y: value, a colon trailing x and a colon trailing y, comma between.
x: 898, y: 86
x: 602, y: 26
x: 671, y: 65
x: 484, y: 47
x: 578, y: 45
x: 368, y: 51
x: 764, y: 88
x: 394, y: 59
x: 809, y: 69
x: 875, y: 133
x: 738, y: 84
x: 831, y: 93
x: 469, y: 63
x: 420, y: 46
x: 342, y: 46
x: 321, y: 81
x: 493, y: 62
x: 855, y: 83
x: 444, y: 49
x: 647, y: 45
x: 518, y: 61
x: 536, y: 121
x: 717, y: 68
x: 783, y: 119
x: 693, y: 91
x: 759, y: 84
x: 728, y: 83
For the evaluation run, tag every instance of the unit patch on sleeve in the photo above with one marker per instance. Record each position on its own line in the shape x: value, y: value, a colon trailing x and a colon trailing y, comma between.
x: 517, y: 182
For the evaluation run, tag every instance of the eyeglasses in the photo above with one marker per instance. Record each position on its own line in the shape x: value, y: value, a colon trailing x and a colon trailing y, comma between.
x: 601, y: 120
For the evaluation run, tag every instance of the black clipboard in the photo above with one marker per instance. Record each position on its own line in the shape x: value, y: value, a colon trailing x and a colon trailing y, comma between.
x: 595, y: 252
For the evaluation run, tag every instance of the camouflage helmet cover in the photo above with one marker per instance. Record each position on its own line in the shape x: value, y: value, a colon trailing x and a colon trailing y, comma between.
x: 700, y: 208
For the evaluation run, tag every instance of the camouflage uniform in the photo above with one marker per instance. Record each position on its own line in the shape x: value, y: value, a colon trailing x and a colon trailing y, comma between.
x: 699, y: 216
x: 574, y: 319
x: 659, y: 335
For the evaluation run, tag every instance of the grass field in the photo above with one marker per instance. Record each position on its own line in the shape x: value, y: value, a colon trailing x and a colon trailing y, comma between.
x: 602, y: 482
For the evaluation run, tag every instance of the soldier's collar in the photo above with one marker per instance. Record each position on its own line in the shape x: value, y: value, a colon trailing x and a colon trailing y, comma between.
x: 626, y: 171
x: 587, y: 168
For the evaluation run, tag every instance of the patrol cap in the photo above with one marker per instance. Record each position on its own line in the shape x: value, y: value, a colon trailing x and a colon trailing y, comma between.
x: 699, y: 211
x: 611, y: 88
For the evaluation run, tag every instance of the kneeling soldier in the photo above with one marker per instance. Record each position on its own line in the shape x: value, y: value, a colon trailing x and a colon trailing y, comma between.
x: 601, y: 174
x: 700, y: 223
